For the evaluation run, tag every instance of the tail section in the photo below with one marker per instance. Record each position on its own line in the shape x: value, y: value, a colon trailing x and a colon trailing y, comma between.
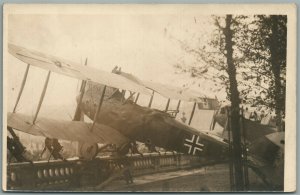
x: 252, y: 130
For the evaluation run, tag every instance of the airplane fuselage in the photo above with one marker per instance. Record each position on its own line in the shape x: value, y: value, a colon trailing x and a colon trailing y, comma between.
x: 147, y: 125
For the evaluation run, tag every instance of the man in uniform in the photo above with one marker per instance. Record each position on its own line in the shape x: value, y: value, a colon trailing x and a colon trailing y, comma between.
x: 183, y: 118
x: 54, y: 148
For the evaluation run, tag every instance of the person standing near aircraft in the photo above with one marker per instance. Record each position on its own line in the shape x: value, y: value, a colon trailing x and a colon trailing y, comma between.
x: 183, y: 118
x: 133, y: 147
x: 254, y: 116
x: 54, y: 148
x: 127, y: 170
x: 262, y: 115
x: 124, y: 165
x: 247, y: 114
x: 266, y: 119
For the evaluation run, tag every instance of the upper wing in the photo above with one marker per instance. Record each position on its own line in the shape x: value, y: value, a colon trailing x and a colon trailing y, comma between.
x: 66, y: 130
x: 171, y: 92
x: 74, y: 70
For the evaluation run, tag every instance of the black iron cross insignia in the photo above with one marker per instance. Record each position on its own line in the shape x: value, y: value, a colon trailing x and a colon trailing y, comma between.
x: 193, y: 144
x: 58, y: 64
x: 61, y: 65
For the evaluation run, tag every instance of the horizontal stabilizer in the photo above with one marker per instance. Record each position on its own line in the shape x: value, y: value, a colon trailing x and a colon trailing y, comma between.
x: 252, y: 130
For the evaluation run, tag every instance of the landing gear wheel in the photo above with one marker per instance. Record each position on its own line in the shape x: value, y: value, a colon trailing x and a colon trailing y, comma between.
x: 88, y: 151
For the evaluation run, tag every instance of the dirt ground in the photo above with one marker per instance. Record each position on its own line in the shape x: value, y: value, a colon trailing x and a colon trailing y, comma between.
x: 212, y: 178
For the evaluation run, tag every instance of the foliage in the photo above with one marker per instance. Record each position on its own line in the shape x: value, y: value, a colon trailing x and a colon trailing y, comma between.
x: 253, y: 43
x: 267, y: 50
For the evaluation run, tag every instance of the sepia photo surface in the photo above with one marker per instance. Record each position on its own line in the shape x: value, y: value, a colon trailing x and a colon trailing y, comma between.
x: 149, y: 98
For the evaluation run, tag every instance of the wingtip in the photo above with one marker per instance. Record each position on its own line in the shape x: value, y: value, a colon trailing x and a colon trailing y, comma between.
x: 12, y: 48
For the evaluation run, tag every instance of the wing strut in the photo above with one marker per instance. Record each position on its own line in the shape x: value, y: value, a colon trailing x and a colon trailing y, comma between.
x: 42, y: 97
x: 167, y: 106
x: 129, y: 97
x: 99, y: 107
x: 82, y: 90
x: 123, y: 95
x: 177, y: 109
x: 193, y: 111
x: 151, y: 99
x: 77, y: 112
x: 22, y: 87
x: 213, y: 121
x: 137, y: 97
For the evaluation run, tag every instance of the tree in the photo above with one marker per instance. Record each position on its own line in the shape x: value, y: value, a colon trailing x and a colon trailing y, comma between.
x: 246, y: 56
x: 211, y: 58
x: 260, y: 60
x: 234, y: 98
x: 219, y: 61
x: 267, y: 49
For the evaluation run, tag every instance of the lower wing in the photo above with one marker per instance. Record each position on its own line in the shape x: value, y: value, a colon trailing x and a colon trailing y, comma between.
x: 66, y: 130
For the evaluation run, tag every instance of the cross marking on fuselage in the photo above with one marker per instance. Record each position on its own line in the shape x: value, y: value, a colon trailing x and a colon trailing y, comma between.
x: 193, y: 144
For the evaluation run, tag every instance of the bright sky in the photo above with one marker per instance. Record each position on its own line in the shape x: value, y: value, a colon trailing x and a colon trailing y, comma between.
x: 142, y: 44
x: 139, y: 38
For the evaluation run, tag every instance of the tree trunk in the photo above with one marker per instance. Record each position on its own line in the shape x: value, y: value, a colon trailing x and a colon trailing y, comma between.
x: 275, y: 66
x: 234, y: 97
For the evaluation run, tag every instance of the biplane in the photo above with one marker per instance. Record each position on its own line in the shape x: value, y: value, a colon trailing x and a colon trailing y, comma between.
x: 116, y: 120
x: 120, y: 121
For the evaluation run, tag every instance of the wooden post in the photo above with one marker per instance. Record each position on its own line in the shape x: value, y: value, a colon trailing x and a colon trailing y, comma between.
x: 228, y: 127
x: 177, y: 109
x: 98, y: 108
x: 137, y: 97
x: 192, y: 114
x: 42, y: 97
x: 245, y: 151
x: 151, y: 99
x: 167, y: 106
x: 22, y: 87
